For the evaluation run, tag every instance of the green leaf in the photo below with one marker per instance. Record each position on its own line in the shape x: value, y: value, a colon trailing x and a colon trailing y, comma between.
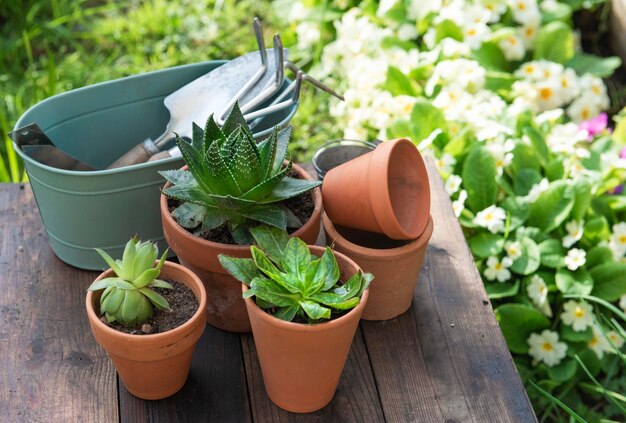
x: 598, y: 255
x: 281, y: 149
x: 539, y: 143
x: 555, y: 42
x: 328, y: 270
x: 235, y: 121
x: 176, y: 177
x: 398, y: 83
x: 501, y: 289
x: 448, y: 29
x: 271, y: 240
x: 425, y: 118
x: 563, y: 371
x: 287, y: 313
x: 296, y: 258
x: 529, y: 261
x: 189, y: 193
x: 524, y: 157
x: 224, y: 181
x: 518, y: 210
x: 289, y: 282
x: 242, y: 269
x: 610, y: 281
x: 146, y: 277
x: 112, y: 302
x: 189, y: 215
x: 524, y: 181
x: 213, y: 218
x: 579, y: 282
x: 157, y: 283
x: 271, y: 291
x: 596, y: 229
x: 517, y: 322
x: 246, y: 164
x: 109, y: 260
x: 130, y: 307
x: 551, y: 253
x: 351, y: 288
x: 582, y: 192
x: 602, y: 67
x: 314, y: 310
x: 268, y: 214
x: 486, y: 244
x: 146, y: 255
x: 267, y: 152
x: 569, y: 334
x: 479, y: 179
x: 552, y: 206
x: 555, y: 170
x: 288, y: 188
x: 155, y: 298
x: 194, y: 160
x: 490, y: 57
x: 591, y: 361
x: 263, y: 189
x: 116, y: 282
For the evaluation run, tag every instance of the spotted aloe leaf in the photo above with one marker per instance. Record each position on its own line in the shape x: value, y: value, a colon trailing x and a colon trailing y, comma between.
x: 288, y: 282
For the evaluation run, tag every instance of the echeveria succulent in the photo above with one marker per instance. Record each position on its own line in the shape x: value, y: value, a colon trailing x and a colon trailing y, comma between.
x: 127, y: 297
x: 289, y: 281
x: 232, y: 179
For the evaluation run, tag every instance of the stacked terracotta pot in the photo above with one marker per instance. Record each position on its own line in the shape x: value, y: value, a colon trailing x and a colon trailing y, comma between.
x: 377, y: 212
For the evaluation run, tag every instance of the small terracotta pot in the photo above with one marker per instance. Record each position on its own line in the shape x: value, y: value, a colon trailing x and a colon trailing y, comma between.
x: 395, y: 265
x: 152, y: 366
x: 226, y: 309
x: 385, y: 191
x: 302, y: 364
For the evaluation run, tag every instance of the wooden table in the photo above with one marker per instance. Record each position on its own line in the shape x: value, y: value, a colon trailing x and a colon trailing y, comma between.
x: 445, y: 360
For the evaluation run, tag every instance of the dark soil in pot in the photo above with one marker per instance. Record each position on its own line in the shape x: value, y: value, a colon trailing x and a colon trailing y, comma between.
x: 183, y: 305
x: 369, y: 239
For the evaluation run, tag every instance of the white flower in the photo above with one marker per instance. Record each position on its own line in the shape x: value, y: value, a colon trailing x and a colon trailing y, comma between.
x: 524, y: 10
x: 497, y: 269
x: 501, y: 152
x: 453, y: 183
x: 513, y: 249
x: 563, y: 138
x: 617, y: 242
x: 546, y: 347
x: 594, y: 89
x: 528, y: 32
x: 574, y: 233
x: 458, y: 205
x: 616, y: 339
x: 575, y: 258
x: 385, y: 6
x: 496, y: 9
x: 549, y: 116
x: 445, y: 163
x: 622, y: 302
x: 599, y: 344
x: 538, y: 293
x: 491, y: 218
x: 407, y: 32
x: 308, y: 34
x: 475, y: 33
x: 578, y: 315
x: 583, y: 108
x: 513, y: 47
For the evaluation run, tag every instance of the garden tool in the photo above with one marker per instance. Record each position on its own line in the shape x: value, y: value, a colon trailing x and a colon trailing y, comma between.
x: 36, y: 144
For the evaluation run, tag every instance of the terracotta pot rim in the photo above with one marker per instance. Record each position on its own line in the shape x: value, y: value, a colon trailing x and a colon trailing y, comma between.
x: 415, y: 244
x: 380, y: 160
x: 303, y: 327
x: 185, y: 327
x: 205, y: 243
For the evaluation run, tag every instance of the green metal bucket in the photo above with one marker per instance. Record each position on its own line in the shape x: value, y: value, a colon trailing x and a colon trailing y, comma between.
x: 97, y: 124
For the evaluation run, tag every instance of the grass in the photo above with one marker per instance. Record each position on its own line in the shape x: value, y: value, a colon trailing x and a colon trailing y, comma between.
x: 51, y: 46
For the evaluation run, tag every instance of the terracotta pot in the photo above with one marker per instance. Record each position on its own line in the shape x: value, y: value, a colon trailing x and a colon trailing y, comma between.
x: 385, y: 191
x: 395, y: 265
x: 302, y: 364
x: 226, y: 309
x: 152, y: 366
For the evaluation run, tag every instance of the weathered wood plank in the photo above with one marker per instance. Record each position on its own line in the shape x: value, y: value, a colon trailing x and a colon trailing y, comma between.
x: 356, y: 399
x: 214, y: 392
x: 52, y: 368
x: 446, y: 359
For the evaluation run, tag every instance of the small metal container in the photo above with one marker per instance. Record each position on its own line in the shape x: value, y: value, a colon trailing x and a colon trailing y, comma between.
x: 337, y: 152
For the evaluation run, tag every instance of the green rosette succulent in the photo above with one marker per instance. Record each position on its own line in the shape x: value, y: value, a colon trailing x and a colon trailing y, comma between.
x: 128, y: 297
x: 290, y: 282
x: 232, y: 179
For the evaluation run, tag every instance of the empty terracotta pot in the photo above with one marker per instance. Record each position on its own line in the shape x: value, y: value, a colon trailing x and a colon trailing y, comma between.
x: 385, y: 191
x: 302, y: 364
x: 152, y: 366
x: 225, y: 307
x: 395, y: 265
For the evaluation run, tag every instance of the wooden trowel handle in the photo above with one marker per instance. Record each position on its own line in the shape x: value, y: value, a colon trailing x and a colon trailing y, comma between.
x: 138, y: 154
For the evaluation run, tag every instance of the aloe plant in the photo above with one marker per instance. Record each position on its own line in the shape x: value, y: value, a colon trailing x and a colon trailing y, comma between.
x: 290, y: 282
x: 232, y: 179
x: 127, y: 297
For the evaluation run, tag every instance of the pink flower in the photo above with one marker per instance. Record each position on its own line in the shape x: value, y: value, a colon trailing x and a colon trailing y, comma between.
x: 595, y: 126
x: 622, y: 154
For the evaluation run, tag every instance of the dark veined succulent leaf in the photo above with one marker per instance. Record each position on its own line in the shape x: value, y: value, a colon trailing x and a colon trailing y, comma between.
x: 212, y: 134
x: 178, y: 177
x: 195, y: 162
x: 197, y: 136
x: 263, y: 189
x: 267, y: 153
x: 268, y: 214
x: 289, y: 188
x: 241, y: 234
x: 213, y: 218
x: 282, y: 145
x: 270, y: 240
x: 218, y: 169
x: 190, y: 193
x: 234, y: 121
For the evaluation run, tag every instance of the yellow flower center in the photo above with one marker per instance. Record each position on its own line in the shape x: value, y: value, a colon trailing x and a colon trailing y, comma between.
x: 547, y: 347
x: 530, y: 31
x: 489, y: 217
x: 579, y: 312
x: 471, y: 31
x: 585, y: 114
x: 512, y: 40
x: 542, y: 289
x: 521, y: 6
x: 593, y: 342
x: 529, y: 69
x: 498, y: 266
x: 622, y: 239
x: 545, y: 93
x: 499, y: 163
x: 596, y: 89
x: 564, y: 82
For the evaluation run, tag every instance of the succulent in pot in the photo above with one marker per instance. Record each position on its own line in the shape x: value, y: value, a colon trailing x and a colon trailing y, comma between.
x: 231, y: 179
x: 232, y: 184
x: 308, y: 302
x: 152, y: 366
